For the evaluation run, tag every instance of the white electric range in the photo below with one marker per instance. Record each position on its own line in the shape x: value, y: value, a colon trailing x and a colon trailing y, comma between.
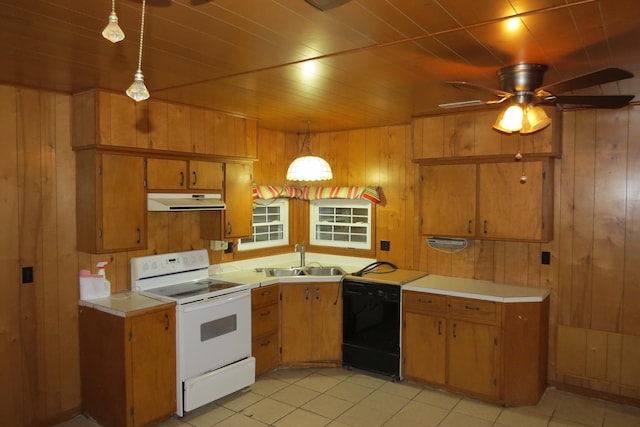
x: 213, y: 325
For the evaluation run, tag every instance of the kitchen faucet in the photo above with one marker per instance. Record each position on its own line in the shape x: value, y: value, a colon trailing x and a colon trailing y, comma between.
x: 301, y: 249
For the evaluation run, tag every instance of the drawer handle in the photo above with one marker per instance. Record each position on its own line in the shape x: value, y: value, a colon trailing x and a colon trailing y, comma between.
x: 425, y: 301
x: 167, y: 323
x: 265, y: 313
x: 470, y: 307
x: 265, y: 293
x: 264, y: 344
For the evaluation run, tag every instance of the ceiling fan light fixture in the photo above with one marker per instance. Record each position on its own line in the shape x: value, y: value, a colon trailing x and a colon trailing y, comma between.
x: 535, y: 119
x: 510, y: 119
x: 308, y: 167
x: 112, y: 31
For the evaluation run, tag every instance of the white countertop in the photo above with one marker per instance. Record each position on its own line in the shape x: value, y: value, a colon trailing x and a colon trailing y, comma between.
x: 477, y: 289
x: 123, y: 303
x: 251, y: 271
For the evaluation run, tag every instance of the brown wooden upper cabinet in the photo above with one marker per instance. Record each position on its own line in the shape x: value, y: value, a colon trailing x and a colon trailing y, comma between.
x: 102, y: 118
x: 470, y: 134
x: 110, y: 202
x: 172, y: 174
x: 237, y: 220
x: 488, y: 200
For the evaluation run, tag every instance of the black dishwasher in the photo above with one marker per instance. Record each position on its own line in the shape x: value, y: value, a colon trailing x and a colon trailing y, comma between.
x: 371, y: 326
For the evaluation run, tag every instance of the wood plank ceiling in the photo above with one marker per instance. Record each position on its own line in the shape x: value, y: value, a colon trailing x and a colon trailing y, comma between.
x: 362, y: 64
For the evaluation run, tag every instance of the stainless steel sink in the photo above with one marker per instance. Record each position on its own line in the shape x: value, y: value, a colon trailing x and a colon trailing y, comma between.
x: 278, y: 272
x: 304, y: 271
x: 325, y: 271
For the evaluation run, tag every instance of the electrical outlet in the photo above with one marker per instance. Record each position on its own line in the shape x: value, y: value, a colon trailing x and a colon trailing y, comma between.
x: 546, y: 257
x: 385, y: 245
x: 27, y: 274
x: 219, y: 245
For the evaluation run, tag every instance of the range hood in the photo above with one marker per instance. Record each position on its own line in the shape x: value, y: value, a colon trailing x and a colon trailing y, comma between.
x: 177, y: 202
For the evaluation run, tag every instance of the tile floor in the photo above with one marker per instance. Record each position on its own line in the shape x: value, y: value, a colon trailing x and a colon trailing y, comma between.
x: 336, y: 397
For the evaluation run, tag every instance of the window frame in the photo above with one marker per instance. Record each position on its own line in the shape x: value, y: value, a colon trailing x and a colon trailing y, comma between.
x: 283, y: 204
x: 314, y: 215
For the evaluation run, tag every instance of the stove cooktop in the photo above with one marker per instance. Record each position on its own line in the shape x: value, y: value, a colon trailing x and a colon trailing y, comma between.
x: 190, y: 289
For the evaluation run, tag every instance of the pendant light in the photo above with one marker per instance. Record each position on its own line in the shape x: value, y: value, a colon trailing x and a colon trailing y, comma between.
x: 138, y: 91
x: 112, y: 31
x: 308, y: 167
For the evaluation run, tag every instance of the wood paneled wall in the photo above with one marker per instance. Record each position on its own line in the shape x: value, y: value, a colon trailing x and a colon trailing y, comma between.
x: 594, y: 275
x: 39, y: 367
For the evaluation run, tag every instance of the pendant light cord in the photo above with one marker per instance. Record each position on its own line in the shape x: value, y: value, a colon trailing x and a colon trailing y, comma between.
x: 141, y: 36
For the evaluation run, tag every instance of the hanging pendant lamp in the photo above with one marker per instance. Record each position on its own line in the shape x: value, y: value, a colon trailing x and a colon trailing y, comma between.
x: 308, y: 167
x: 138, y: 91
x: 112, y: 31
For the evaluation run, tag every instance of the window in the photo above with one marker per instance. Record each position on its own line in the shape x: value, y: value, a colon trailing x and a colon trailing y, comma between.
x: 342, y: 223
x: 270, y: 225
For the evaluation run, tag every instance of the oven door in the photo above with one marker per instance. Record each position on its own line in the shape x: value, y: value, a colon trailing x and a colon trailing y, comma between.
x: 213, y: 333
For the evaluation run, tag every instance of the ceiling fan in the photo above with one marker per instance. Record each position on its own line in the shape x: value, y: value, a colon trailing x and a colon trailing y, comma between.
x: 521, y: 88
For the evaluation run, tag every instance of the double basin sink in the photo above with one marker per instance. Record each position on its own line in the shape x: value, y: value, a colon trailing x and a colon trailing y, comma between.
x: 304, y: 271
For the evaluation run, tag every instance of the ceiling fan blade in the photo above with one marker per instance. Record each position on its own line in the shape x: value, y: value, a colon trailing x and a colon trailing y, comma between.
x: 595, y: 101
x: 461, y: 104
x: 467, y: 85
x: 596, y: 78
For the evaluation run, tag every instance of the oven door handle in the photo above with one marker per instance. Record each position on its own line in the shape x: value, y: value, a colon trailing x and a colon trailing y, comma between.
x: 215, y: 301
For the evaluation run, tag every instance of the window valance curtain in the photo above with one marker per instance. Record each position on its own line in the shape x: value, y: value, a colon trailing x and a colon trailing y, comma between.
x: 313, y: 193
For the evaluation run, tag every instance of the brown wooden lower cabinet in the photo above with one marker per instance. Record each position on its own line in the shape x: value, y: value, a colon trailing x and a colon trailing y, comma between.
x: 489, y: 350
x: 265, y: 328
x: 311, y: 324
x: 128, y: 365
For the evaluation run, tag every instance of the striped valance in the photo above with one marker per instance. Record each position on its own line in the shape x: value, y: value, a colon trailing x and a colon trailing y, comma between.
x: 313, y: 193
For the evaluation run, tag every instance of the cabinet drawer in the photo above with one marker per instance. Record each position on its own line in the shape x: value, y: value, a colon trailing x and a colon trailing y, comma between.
x: 264, y: 296
x: 422, y: 302
x: 472, y: 308
x: 266, y: 350
x: 264, y: 319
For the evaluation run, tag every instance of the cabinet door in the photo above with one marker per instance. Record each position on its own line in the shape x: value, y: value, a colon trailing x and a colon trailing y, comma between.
x: 205, y: 175
x: 296, y: 328
x: 508, y: 208
x: 239, y: 200
x: 472, y: 357
x: 424, y: 347
x: 448, y: 200
x: 167, y: 174
x: 153, y: 366
x: 327, y: 322
x: 124, y: 211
